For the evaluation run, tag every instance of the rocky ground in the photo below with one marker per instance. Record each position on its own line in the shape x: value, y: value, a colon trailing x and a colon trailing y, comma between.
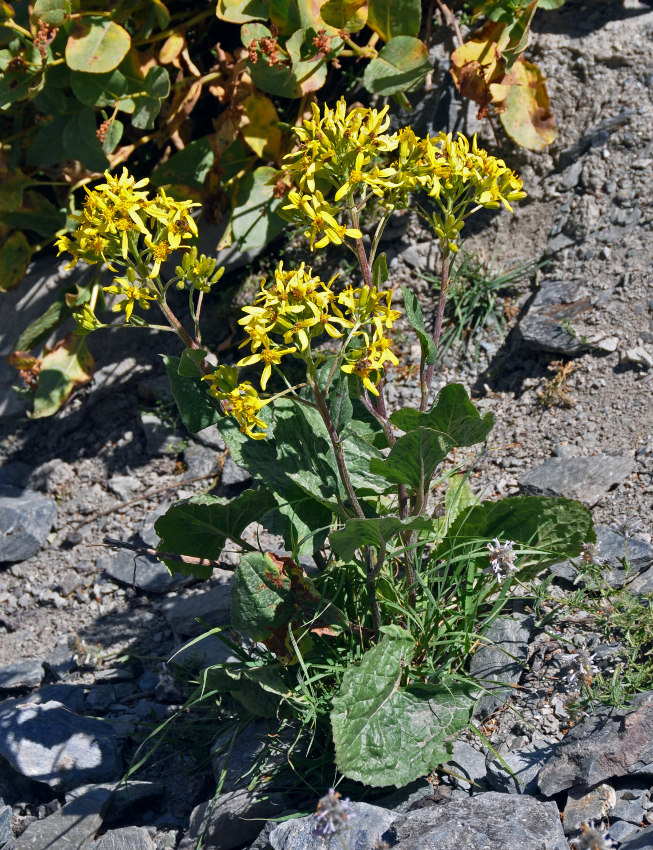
x: 87, y: 630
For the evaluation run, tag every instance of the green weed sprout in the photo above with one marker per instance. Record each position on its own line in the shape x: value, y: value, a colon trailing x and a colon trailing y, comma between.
x: 372, y: 646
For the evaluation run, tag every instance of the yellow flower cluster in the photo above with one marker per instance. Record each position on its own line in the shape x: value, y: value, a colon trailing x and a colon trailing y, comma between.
x: 297, y: 306
x: 241, y: 401
x: 115, y: 217
x: 346, y: 157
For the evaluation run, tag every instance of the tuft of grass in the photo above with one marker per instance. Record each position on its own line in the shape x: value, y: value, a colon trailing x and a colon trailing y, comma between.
x: 479, y: 298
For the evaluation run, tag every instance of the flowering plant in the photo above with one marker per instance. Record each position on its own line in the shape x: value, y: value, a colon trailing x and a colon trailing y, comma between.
x: 368, y: 644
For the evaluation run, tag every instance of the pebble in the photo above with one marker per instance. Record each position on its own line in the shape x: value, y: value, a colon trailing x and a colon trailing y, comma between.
x: 20, y: 674
x: 26, y: 518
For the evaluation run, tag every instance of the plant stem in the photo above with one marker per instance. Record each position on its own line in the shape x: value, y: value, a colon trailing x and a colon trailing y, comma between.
x: 177, y: 326
x: 437, y: 332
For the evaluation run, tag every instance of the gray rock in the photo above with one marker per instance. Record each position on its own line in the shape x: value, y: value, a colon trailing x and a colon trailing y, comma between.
x: 621, y: 830
x: 142, y: 571
x: 200, y: 461
x: 233, y: 474
x: 231, y: 820
x: 638, y: 357
x: 417, y: 256
x: 642, y: 841
x: 631, y: 803
x: 204, y: 653
x: 468, y: 762
x: 146, y: 530
x: 161, y: 438
x: 100, y: 697
x: 54, y: 476
x: 23, y: 673
x: 262, y: 841
x: 125, y: 487
x: 613, y: 548
x: 212, y: 607
x: 48, y: 743
x: 613, y: 742
x: 15, y: 473
x: 248, y: 750
x: 556, y: 303
x: 26, y: 518
x: 367, y: 826
x: 501, y: 661
x: 60, y: 661
x: 73, y: 827
x: 525, y: 765
x: 587, y: 479
x: 594, y: 806
x: 6, y: 832
x: 212, y: 438
x: 128, y: 838
x: 405, y: 799
x: 490, y: 821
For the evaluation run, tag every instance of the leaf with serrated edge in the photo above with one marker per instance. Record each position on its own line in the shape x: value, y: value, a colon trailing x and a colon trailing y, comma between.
x: 385, y: 734
x: 373, y: 532
x: 452, y: 413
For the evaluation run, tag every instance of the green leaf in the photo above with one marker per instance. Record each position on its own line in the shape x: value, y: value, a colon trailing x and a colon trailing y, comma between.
x: 37, y: 214
x: 190, y: 365
x: 98, y: 89
x: 68, y: 366
x: 200, y: 527
x: 300, y: 516
x: 414, y: 458
x: 81, y: 142
x: 270, y: 594
x: 96, y: 46
x: 349, y: 15
x: 188, y: 167
x: 57, y: 313
x: 241, y: 11
x: 113, y: 136
x: 386, y: 734
x: 47, y: 146
x: 416, y: 319
x: 394, y: 17
x: 339, y: 403
x: 376, y: 532
x: 15, y: 254
x: 145, y: 112
x: 452, y: 413
x: 258, y: 689
x: 458, y: 498
x: 305, y: 454
x: 551, y: 4
x: 254, y: 221
x: 195, y: 407
x: 556, y: 528
x: 400, y: 66
x: 51, y: 12
x: 380, y: 270
x: 157, y: 82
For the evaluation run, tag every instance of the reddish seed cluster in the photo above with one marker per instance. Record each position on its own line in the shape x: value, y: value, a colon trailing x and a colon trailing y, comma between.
x: 43, y: 37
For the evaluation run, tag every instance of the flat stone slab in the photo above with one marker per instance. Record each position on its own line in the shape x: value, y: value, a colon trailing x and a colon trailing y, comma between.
x: 586, y: 479
x: 490, y: 821
x: 141, y: 571
x: 48, y: 743
x: 612, y: 549
x: 26, y: 518
x: 609, y: 744
x: 525, y: 765
x: 500, y: 661
x: 544, y: 327
x: 367, y: 825
x: 73, y: 827
x: 191, y: 615
x: 22, y: 673
x: 232, y: 820
x: 129, y: 838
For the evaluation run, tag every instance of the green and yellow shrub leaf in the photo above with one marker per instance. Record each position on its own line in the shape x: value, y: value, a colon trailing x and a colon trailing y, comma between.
x: 402, y: 64
x: 96, y: 45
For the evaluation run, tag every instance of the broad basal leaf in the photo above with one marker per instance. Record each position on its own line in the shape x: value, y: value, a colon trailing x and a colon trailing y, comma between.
x: 376, y: 532
x: 390, y: 18
x: 200, y: 527
x: 388, y: 734
x: 524, y: 108
x: 271, y: 594
x: 452, y: 413
x: 553, y: 529
x: 68, y: 366
x: 196, y: 408
x: 349, y: 15
x: 96, y: 45
x: 15, y: 254
x: 261, y: 130
x: 400, y: 66
x: 414, y: 458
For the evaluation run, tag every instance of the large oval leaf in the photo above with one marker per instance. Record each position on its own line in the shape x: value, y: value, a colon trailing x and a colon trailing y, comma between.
x: 391, y: 18
x: 386, y: 734
x: 401, y: 65
x: 15, y: 255
x: 97, y: 46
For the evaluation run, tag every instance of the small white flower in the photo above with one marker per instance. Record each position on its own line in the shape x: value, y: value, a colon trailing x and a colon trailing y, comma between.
x: 502, y: 558
x: 580, y: 667
x: 333, y: 814
x: 592, y: 839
